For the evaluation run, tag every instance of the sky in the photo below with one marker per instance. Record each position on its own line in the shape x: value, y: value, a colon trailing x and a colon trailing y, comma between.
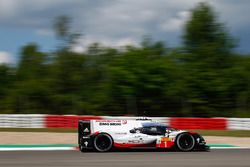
x: 111, y: 22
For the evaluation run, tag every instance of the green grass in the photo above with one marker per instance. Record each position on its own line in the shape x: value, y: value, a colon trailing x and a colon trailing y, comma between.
x: 233, y: 133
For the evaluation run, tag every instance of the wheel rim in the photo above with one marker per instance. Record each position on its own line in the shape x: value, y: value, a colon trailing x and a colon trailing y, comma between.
x: 103, y: 142
x: 185, y: 142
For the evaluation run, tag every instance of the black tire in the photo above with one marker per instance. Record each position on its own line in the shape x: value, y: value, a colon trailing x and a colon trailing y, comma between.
x: 103, y: 142
x: 185, y: 142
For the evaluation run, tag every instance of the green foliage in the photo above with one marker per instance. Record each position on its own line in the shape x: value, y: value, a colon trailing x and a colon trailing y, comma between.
x: 211, y: 79
x: 203, y: 34
x: 204, y: 77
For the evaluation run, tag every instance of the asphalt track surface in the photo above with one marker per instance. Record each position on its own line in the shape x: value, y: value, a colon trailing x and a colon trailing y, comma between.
x: 227, y: 158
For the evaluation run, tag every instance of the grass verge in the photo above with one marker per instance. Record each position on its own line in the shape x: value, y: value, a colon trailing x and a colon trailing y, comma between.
x: 231, y: 133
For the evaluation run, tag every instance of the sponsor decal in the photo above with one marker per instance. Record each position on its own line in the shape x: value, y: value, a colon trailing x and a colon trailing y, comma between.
x: 165, y: 139
x: 135, y: 141
x: 109, y: 121
x: 86, y: 130
x: 124, y: 121
x: 115, y: 124
x: 103, y: 123
x: 86, y: 144
x: 109, y: 124
x: 85, y: 137
x: 121, y: 133
x: 164, y: 142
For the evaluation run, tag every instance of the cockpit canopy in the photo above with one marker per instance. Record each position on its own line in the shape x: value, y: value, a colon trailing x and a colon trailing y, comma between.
x: 152, y: 128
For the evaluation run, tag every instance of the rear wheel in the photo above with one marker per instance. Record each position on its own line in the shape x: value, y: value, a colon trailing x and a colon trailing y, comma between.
x: 185, y: 142
x: 103, y: 142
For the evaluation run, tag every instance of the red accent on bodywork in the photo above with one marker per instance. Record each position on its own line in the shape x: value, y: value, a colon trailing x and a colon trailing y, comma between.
x: 95, y: 134
x: 165, y: 144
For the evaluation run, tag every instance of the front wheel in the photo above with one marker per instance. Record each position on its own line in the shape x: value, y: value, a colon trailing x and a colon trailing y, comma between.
x: 185, y: 142
x: 103, y: 142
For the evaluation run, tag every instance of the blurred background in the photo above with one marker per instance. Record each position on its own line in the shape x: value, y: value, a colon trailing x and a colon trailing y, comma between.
x: 181, y: 58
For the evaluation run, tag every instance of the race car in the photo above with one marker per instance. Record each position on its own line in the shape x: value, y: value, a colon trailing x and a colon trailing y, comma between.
x: 105, y: 135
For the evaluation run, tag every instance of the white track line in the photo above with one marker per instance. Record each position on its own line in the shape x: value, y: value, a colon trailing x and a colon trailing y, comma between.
x: 74, y: 148
x: 38, y: 149
x: 225, y: 148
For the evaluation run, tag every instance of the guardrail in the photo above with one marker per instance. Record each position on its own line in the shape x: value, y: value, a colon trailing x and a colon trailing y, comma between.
x: 22, y: 120
x: 70, y: 121
x: 238, y: 123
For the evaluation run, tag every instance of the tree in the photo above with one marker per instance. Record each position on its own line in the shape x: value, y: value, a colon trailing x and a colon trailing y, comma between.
x: 32, y: 63
x: 207, y: 58
x: 144, y: 79
x: 204, y: 77
x: 29, y: 93
x: 203, y: 31
x: 63, y: 30
x: 5, y: 79
x: 7, y: 76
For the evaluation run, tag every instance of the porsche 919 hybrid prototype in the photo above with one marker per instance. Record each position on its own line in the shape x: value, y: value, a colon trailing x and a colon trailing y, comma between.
x: 105, y: 135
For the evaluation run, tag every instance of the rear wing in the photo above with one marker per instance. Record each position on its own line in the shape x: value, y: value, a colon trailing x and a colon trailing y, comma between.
x: 84, y: 129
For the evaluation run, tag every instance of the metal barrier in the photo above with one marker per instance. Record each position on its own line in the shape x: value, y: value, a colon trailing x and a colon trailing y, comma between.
x: 22, y: 121
x: 239, y: 123
x: 66, y: 121
x: 199, y: 123
x: 70, y: 121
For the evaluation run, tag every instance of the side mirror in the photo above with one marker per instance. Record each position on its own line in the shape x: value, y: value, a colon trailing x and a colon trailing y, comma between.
x: 168, y: 131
